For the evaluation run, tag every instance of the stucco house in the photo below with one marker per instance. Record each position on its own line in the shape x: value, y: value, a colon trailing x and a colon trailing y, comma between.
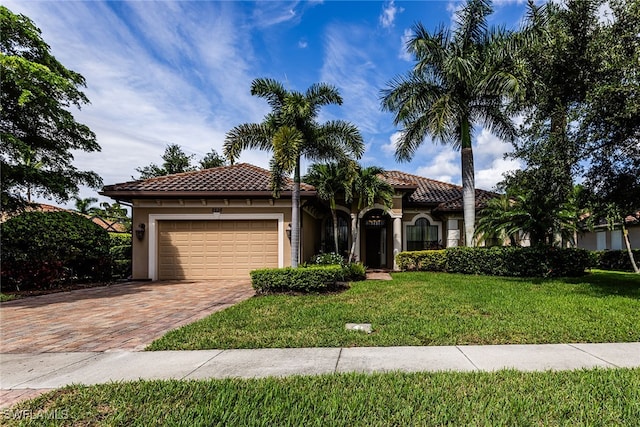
x: 224, y: 222
x: 602, y: 238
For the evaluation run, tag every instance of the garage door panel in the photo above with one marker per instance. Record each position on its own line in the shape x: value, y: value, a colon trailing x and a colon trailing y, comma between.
x: 216, y: 248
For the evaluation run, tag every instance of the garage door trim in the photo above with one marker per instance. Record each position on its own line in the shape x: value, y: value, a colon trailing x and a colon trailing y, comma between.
x: 153, y: 231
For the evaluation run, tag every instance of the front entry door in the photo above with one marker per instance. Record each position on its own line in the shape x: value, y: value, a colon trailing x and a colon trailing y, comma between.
x: 375, y: 252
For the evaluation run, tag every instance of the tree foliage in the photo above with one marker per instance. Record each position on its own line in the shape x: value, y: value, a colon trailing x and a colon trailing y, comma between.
x: 291, y: 131
x: 175, y: 160
x: 461, y: 78
x: 37, y: 131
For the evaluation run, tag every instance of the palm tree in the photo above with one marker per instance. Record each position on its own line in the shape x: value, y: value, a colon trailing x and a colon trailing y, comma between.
x: 369, y: 187
x: 84, y: 205
x: 460, y: 78
x: 291, y: 132
x: 331, y: 179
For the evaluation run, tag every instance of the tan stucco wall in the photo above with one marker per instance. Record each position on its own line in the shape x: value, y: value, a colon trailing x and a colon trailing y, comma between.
x: 142, y: 210
x: 589, y: 240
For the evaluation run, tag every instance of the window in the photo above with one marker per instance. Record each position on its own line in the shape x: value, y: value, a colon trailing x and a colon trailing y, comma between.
x: 422, y: 235
x: 343, y: 234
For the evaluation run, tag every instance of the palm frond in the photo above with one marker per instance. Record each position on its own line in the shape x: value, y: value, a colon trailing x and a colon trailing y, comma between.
x: 271, y: 90
x: 246, y: 136
x: 287, y: 142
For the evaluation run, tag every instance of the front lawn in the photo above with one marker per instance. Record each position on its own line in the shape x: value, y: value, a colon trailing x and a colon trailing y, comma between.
x: 429, y: 309
x: 509, y: 398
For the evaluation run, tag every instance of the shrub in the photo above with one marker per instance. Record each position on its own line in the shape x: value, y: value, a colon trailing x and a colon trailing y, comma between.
x: 500, y: 261
x: 354, y: 272
x: 45, y: 249
x: 431, y: 260
x: 615, y: 260
x: 120, y: 252
x: 329, y: 258
x: 301, y: 279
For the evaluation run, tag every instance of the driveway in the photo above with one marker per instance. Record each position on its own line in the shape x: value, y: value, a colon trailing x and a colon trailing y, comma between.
x: 126, y: 316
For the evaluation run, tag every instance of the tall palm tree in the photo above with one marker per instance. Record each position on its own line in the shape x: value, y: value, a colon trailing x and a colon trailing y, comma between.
x: 368, y: 187
x: 461, y: 78
x: 291, y: 132
x: 330, y: 180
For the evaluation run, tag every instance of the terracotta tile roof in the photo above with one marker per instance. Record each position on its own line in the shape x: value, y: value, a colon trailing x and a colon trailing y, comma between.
x: 446, y: 197
x: 237, y: 180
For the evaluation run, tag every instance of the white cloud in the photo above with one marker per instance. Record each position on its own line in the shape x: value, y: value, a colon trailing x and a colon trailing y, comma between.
x: 270, y: 13
x: 490, y: 145
x: 348, y: 66
x: 388, y: 16
x: 404, y: 40
x: 303, y: 44
x: 487, y: 178
x: 390, y: 148
x: 445, y: 166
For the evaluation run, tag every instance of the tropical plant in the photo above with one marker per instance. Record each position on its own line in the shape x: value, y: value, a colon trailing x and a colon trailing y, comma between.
x: 368, y: 188
x: 175, y: 160
x: 211, y: 160
x: 291, y: 132
x: 508, y: 216
x: 83, y: 205
x: 330, y: 180
x: 37, y: 93
x: 461, y: 77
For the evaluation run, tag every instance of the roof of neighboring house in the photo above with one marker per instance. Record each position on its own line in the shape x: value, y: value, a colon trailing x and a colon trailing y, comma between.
x: 447, y: 197
x: 239, y: 180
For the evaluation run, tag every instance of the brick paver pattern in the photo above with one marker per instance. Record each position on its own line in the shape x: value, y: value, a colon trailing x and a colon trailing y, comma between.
x: 127, y: 316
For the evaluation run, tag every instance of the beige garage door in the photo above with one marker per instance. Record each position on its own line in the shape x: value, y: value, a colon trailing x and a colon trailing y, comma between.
x: 222, y: 249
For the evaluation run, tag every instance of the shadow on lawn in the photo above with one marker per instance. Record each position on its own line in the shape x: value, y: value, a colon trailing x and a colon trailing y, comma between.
x: 606, y: 283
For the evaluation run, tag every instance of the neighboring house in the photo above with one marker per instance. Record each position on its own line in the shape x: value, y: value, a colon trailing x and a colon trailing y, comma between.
x: 224, y: 222
x: 601, y: 238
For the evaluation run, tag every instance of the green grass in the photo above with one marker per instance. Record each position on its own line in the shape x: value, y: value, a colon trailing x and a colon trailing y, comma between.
x: 6, y: 297
x: 587, y: 397
x: 429, y: 309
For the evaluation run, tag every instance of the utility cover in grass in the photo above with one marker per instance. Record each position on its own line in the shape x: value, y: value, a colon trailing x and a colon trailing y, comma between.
x: 363, y: 327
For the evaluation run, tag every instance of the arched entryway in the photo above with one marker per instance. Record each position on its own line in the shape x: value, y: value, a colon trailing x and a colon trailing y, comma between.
x: 376, y: 240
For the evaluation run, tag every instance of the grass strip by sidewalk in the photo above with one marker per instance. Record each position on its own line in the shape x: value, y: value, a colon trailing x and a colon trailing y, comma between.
x: 585, y: 397
x: 429, y: 309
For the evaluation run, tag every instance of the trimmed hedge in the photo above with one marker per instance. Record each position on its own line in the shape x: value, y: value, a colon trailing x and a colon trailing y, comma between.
x: 45, y: 249
x: 615, y: 260
x: 500, y: 261
x: 302, y: 279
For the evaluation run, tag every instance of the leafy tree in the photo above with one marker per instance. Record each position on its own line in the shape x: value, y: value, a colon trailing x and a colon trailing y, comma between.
x: 560, y: 69
x: 461, y: 78
x: 291, y: 132
x: 37, y: 131
x: 175, y: 161
x: 212, y: 160
x: 84, y: 205
x: 331, y: 180
x: 368, y: 187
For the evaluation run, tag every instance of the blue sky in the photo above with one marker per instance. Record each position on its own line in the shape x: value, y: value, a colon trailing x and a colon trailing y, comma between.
x: 180, y: 71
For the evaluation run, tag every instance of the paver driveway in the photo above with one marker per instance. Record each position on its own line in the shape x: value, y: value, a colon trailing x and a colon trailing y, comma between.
x: 124, y: 316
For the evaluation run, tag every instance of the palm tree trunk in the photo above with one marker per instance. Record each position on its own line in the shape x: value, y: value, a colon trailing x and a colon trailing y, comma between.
x: 354, y: 237
x: 334, y: 216
x: 627, y: 244
x: 295, y: 217
x: 468, y: 185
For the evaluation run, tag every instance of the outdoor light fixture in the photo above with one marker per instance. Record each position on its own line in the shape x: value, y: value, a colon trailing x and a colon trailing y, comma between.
x: 140, y: 231
x: 289, y: 231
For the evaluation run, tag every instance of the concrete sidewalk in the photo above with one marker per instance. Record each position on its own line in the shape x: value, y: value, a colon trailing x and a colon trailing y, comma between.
x: 53, y: 370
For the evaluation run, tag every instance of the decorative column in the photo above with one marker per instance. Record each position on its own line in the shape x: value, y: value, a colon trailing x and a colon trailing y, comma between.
x: 397, y: 238
x: 453, y: 233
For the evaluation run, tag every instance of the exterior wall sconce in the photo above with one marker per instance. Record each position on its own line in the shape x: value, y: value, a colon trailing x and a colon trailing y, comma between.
x: 289, y: 231
x: 140, y: 231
